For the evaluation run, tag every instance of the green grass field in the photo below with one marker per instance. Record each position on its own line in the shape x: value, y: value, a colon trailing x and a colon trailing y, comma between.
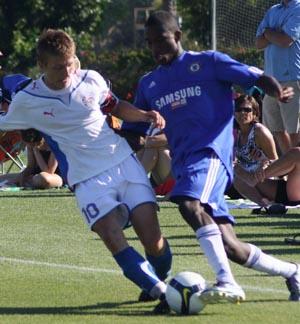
x: 53, y: 270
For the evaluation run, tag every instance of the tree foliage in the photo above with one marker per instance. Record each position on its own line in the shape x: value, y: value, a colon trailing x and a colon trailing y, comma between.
x: 196, y: 20
x: 23, y: 21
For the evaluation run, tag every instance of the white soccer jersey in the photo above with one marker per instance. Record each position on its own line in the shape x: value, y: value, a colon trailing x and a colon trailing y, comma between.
x: 73, y: 124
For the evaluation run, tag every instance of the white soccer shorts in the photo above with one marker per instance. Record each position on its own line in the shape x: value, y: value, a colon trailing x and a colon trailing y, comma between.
x: 125, y: 185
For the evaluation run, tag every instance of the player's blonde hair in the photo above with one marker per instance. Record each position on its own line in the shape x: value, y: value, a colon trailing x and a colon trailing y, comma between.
x: 54, y: 42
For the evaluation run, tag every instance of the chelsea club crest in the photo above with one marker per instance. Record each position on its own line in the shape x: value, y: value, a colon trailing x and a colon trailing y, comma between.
x: 194, y: 67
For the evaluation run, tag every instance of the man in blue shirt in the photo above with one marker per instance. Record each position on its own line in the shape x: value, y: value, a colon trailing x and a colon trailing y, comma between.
x: 278, y: 35
x: 193, y: 92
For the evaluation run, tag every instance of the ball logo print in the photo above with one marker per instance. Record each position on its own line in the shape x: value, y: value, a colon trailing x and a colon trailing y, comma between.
x: 183, y: 292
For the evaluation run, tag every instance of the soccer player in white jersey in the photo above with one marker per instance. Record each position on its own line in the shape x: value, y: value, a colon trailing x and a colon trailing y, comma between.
x: 110, y: 185
x: 193, y: 92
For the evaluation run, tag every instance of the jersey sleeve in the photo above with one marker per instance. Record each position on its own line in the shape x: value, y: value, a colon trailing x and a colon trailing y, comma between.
x: 292, y: 26
x: 263, y: 24
x: 15, y: 117
x: 140, y: 100
x: 234, y: 72
x: 107, y: 99
x: 109, y: 103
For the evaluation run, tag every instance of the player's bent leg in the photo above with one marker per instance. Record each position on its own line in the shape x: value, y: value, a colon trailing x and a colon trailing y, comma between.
x: 209, y: 237
x: 252, y: 257
x: 158, y: 253
x: 236, y: 250
x: 134, y: 266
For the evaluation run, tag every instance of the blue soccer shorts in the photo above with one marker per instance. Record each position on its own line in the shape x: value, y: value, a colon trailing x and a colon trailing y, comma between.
x: 204, y: 178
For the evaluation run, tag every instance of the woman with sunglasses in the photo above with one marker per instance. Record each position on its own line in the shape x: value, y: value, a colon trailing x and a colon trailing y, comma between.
x: 254, y: 148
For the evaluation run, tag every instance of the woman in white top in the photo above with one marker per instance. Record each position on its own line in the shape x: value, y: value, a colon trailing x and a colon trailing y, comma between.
x: 255, y: 147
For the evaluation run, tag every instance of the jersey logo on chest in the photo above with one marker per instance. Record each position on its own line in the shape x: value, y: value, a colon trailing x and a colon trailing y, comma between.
x: 49, y: 113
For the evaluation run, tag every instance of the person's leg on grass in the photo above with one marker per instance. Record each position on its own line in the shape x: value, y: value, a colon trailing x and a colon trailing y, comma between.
x: 137, y: 194
x: 145, y: 223
x: 45, y: 180
x: 162, y: 170
x: 134, y: 266
x: 251, y: 193
x: 197, y: 191
x: 99, y: 200
x: 252, y: 257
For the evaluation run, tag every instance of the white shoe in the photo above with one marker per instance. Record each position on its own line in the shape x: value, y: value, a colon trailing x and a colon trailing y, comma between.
x: 223, y: 292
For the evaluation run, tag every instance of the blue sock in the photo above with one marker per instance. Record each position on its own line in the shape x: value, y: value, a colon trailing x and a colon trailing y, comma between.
x: 162, y: 264
x: 137, y: 269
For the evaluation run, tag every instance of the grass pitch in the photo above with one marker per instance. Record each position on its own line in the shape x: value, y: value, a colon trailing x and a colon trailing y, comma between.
x: 53, y: 270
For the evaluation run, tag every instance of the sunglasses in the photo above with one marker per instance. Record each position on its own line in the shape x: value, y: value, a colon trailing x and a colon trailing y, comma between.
x: 244, y: 109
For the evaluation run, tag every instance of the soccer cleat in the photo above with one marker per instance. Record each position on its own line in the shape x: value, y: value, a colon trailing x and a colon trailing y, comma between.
x: 293, y: 284
x: 223, y: 292
x: 162, y: 308
x: 145, y: 297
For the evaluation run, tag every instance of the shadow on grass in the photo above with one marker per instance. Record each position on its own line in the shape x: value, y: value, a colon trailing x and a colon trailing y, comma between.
x: 46, y: 195
x: 107, y: 308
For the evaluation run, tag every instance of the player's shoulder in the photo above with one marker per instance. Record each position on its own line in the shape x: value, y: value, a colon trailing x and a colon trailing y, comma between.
x: 88, y: 74
x: 148, y: 78
x: 261, y: 129
x: 206, y: 54
x: 91, y: 76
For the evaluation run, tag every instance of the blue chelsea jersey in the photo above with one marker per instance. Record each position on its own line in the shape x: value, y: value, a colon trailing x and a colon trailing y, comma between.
x: 194, y: 95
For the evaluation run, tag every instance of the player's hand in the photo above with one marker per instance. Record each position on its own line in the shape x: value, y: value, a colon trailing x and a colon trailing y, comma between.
x: 287, y: 94
x: 155, y: 118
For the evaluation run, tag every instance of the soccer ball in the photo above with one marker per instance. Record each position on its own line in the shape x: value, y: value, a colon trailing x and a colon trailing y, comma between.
x: 183, y: 292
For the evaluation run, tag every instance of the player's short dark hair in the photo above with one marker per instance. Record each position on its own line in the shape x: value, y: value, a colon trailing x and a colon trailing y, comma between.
x: 164, y: 20
x: 55, y: 42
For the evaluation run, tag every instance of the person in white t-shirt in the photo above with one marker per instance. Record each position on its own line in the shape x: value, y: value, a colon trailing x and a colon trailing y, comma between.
x: 110, y: 185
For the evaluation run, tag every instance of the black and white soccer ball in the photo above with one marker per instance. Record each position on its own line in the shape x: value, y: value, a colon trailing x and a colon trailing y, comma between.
x: 183, y: 292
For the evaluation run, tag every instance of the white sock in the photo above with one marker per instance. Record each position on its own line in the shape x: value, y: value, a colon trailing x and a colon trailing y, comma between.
x: 210, y: 241
x: 263, y: 262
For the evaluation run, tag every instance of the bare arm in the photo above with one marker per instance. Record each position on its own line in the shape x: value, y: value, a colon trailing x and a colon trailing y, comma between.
x: 126, y: 111
x: 265, y: 141
x: 273, y: 88
x: 278, y: 38
x: 261, y: 42
x: 49, y: 167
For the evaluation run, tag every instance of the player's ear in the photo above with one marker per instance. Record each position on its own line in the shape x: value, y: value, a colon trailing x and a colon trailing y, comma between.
x: 177, y: 35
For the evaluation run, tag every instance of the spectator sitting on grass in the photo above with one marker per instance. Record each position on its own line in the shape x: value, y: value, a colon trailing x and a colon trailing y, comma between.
x: 42, y: 170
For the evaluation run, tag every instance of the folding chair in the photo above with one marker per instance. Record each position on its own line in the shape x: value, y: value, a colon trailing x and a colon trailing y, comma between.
x: 11, y: 145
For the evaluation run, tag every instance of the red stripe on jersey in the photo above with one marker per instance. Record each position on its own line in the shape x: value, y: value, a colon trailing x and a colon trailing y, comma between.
x: 109, y: 103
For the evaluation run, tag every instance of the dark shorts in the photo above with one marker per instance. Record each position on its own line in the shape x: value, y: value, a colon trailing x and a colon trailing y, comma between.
x: 281, y: 195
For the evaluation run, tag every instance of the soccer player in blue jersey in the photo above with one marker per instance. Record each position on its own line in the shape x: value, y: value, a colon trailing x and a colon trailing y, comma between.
x: 66, y: 105
x: 193, y: 92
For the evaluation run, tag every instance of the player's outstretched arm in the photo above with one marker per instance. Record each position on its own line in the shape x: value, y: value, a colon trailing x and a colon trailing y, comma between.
x: 273, y: 88
x: 127, y: 112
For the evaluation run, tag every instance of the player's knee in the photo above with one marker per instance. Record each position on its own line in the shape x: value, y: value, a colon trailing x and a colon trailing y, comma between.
x: 194, y: 213
x: 40, y: 181
x: 190, y: 207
